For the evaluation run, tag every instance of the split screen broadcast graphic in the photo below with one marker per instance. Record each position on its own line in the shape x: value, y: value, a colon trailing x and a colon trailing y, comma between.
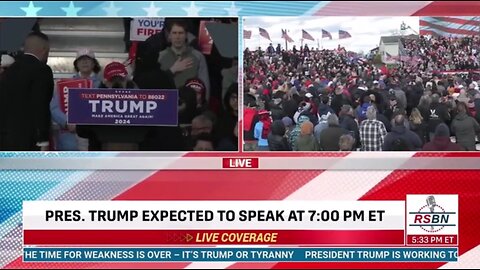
x: 120, y: 84
x: 303, y: 84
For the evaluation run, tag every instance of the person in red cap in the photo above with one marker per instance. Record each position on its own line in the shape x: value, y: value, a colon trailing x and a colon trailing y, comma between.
x: 114, y: 138
x: 115, y: 75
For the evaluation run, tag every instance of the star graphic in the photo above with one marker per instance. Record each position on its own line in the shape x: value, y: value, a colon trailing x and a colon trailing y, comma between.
x: 51, y: 154
x: 232, y: 10
x: 112, y: 10
x: 192, y: 10
x: 152, y: 11
x: 71, y: 10
x: 31, y: 10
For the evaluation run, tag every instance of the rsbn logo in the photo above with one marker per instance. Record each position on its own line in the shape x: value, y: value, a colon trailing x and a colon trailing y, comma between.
x: 432, y: 217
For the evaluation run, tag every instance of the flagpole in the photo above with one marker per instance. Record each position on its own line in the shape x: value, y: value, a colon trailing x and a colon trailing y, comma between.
x: 286, y: 42
x: 259, y: 41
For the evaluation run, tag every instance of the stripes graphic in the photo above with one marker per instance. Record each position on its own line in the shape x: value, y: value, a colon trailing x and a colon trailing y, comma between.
x: 450, y: 26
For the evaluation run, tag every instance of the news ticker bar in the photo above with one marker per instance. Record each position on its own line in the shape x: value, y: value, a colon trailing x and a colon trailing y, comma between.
x: 218, y: 237
x: 358, y: 163
x: 240, y: 254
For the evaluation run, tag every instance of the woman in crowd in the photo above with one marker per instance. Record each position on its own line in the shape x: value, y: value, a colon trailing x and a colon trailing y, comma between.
x: 65, y: 137
x: 417, y: 125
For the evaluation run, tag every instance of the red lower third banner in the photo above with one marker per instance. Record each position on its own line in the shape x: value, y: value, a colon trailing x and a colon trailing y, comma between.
x: 213, y: 237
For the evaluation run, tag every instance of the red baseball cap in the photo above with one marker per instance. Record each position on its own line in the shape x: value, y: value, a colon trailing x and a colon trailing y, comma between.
x: 115, y: 69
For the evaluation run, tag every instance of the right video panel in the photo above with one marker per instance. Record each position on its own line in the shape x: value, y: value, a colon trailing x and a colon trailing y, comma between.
x: 361, y: 83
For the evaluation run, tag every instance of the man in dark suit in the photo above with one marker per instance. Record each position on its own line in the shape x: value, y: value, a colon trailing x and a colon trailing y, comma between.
x: 25, y: 93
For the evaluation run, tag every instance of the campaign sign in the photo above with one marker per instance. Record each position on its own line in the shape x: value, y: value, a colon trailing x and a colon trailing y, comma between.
x: 123, y: 107
x: 64, y: 85
x: 143, y: 28
x: 205, y: 41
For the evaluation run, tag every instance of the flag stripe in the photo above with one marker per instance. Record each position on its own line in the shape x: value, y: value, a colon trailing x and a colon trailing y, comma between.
x: 456, y: 26
x: 474, y: 21
x: 435, y: 32
x: 447, y: 8
x: 446, y: 30
x: 469, y: 26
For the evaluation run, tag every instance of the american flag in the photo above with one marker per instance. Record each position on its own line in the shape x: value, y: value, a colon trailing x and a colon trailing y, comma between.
x: 306, y: 35
x: 264, y: 33
x: 389, y: 58
x: 286, y: 36
x: 458, y: 26
x: 343, y: 34
x: 247, y: 34
x: 325, y: 34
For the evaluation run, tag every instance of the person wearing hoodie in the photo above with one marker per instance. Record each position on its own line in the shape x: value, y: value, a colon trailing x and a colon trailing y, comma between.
x: 347, y: 121
x: 465, y: 128
x: 441, y: 141
x: 262, y: 129
x: 277, y: 141
x: 401, y: 136
x: 229, y: 118
x: 296, y: 131
x: 438, y: 114
x: 306, y: 141
x: 330, y: 137
x: 250, y: 118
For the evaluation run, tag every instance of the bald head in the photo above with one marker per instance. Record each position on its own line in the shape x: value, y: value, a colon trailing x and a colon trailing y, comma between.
x: 37, y: 44
x: 399, y: 120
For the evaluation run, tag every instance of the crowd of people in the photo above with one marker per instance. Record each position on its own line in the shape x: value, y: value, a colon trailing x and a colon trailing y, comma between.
x: 336, y: 100
x: 443, y: 53
x: 31, y: 118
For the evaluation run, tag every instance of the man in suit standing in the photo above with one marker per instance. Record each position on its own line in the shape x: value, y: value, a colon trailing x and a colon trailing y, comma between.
x: 25, y: 94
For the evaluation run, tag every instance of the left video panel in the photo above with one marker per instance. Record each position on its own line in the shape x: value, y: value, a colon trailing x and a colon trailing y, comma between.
x: 118, y: 84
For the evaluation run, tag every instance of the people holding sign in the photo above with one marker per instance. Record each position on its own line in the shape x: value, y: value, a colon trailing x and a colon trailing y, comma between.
x: 182, y: 60
x: 118, y: 118
x: 88, y: 69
